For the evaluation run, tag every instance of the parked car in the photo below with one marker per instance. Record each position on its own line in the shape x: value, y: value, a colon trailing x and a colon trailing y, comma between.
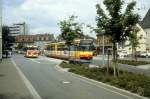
x: 122, y: 54
x: 145, y: 54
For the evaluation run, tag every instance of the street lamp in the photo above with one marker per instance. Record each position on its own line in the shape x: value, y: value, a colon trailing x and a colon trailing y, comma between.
x: 103, y: 33
x: 0, y: 30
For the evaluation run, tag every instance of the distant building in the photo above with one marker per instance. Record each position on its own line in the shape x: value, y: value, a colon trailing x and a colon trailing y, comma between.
x: 146, y: 26
x: 25, y: 39
x: 41, y: 39
x: 103, y: 39
x: 18, y: 29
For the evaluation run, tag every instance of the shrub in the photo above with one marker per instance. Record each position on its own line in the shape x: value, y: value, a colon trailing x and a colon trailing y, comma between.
x: 133, y: 62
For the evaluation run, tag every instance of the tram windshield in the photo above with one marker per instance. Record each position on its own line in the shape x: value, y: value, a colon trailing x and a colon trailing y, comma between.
x: 86, y: 45
x: 31, y: 48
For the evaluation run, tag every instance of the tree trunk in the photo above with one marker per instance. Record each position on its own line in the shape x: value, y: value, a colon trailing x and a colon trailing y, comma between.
x: 135, y: 54
x: 132, y: 52
x: 108, y: 65
x: 69, y: 52
x: 114, y: 58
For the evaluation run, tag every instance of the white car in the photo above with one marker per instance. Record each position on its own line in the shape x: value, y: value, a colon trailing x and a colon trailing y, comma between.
x: 122, y: 54
x: 145, y: 54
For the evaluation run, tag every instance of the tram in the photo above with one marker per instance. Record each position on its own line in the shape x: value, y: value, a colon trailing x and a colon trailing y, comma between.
x: 31, y: 51
x: 79, y: 51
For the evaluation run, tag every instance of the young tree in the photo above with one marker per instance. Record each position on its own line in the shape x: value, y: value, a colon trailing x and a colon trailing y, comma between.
x: 7, y: 40
x: 116, y: 24
x: 134, y: 41
x: 70, y: 30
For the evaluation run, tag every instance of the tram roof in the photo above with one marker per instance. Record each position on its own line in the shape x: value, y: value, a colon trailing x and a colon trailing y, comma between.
x: 56, y: 43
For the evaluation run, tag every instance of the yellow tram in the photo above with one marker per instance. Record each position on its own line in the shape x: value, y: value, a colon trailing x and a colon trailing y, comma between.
x: 80, y: 50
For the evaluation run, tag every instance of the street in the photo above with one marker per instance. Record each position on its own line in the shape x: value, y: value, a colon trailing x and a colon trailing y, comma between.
x: 52, y: 83
x: 98, y: 60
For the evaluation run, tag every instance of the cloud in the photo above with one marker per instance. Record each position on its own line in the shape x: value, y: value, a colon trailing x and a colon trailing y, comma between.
x: 44, y: 15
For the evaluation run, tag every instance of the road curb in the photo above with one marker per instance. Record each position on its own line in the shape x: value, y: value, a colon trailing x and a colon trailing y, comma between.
x: 110, y: 87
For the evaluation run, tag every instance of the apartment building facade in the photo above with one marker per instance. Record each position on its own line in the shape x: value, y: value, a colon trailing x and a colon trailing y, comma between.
x: 146, y: 26
x: 39, y: 40
x: 18, y: 29
x: 105, y: 40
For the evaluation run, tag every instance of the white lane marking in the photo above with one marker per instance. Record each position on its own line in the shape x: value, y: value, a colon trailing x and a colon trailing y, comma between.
x: 35, y: 61
x: 93, y: 83
x: 31, y: 89
x: 66, y: 82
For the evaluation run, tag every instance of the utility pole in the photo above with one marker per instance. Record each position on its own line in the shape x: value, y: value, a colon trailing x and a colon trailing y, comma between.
x: 0, y: 30
x: 103, y: 48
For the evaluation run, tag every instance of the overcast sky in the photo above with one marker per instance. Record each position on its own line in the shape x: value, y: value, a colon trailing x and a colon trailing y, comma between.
x: 43, y: 15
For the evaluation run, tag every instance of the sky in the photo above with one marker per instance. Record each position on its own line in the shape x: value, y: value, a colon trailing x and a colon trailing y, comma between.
x: 43, y: 16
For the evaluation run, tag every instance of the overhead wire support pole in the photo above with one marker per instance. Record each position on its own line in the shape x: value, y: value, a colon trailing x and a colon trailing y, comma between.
x: 1, y: 30
x: 103, y: 49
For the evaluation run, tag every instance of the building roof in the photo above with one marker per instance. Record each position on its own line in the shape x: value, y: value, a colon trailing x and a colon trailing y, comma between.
x: 146, y: 21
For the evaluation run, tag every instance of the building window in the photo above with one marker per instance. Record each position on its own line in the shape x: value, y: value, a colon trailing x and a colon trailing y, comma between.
x: 37, y: 38
x: 42, y: 38
x: 47, y: 38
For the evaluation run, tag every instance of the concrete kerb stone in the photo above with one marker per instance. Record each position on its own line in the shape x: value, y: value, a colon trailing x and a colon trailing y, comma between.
x: 109, y: 87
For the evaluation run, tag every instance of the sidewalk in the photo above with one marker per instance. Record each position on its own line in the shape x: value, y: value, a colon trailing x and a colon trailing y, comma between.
x: 11, y: 84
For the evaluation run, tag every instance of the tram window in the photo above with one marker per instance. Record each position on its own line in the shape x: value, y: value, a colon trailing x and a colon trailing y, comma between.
x: 60, y: 48
x: 65, y: 49
x: 52, y: 47
x: 84, y: 48
x: 48, y: 48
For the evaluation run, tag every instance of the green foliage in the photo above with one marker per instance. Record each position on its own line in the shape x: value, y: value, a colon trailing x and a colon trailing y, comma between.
x: 7, y: 40
x: 116, y: 23
x: 133, y: 62
x: 70, y: 29
x: 134, y: 39
x: 20, y: 46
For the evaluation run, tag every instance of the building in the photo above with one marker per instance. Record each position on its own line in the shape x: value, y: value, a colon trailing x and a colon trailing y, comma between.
x: 41, y: 39
x: 18, y: 29
x: 142, y: 41
x: 146, y: 26
x: 105, y: 40
x: 24, y: 40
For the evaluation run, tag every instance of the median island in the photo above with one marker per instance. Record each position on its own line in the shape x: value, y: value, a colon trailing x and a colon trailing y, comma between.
x: 133, y: 82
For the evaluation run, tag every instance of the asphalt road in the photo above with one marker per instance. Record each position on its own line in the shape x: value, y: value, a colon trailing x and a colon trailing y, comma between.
x: 52, y: 83
x: 98, y: 60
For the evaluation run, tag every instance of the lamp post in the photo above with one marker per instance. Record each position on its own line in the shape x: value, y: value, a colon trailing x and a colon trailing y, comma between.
x: 0, y: 30
x: 103, y: 33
